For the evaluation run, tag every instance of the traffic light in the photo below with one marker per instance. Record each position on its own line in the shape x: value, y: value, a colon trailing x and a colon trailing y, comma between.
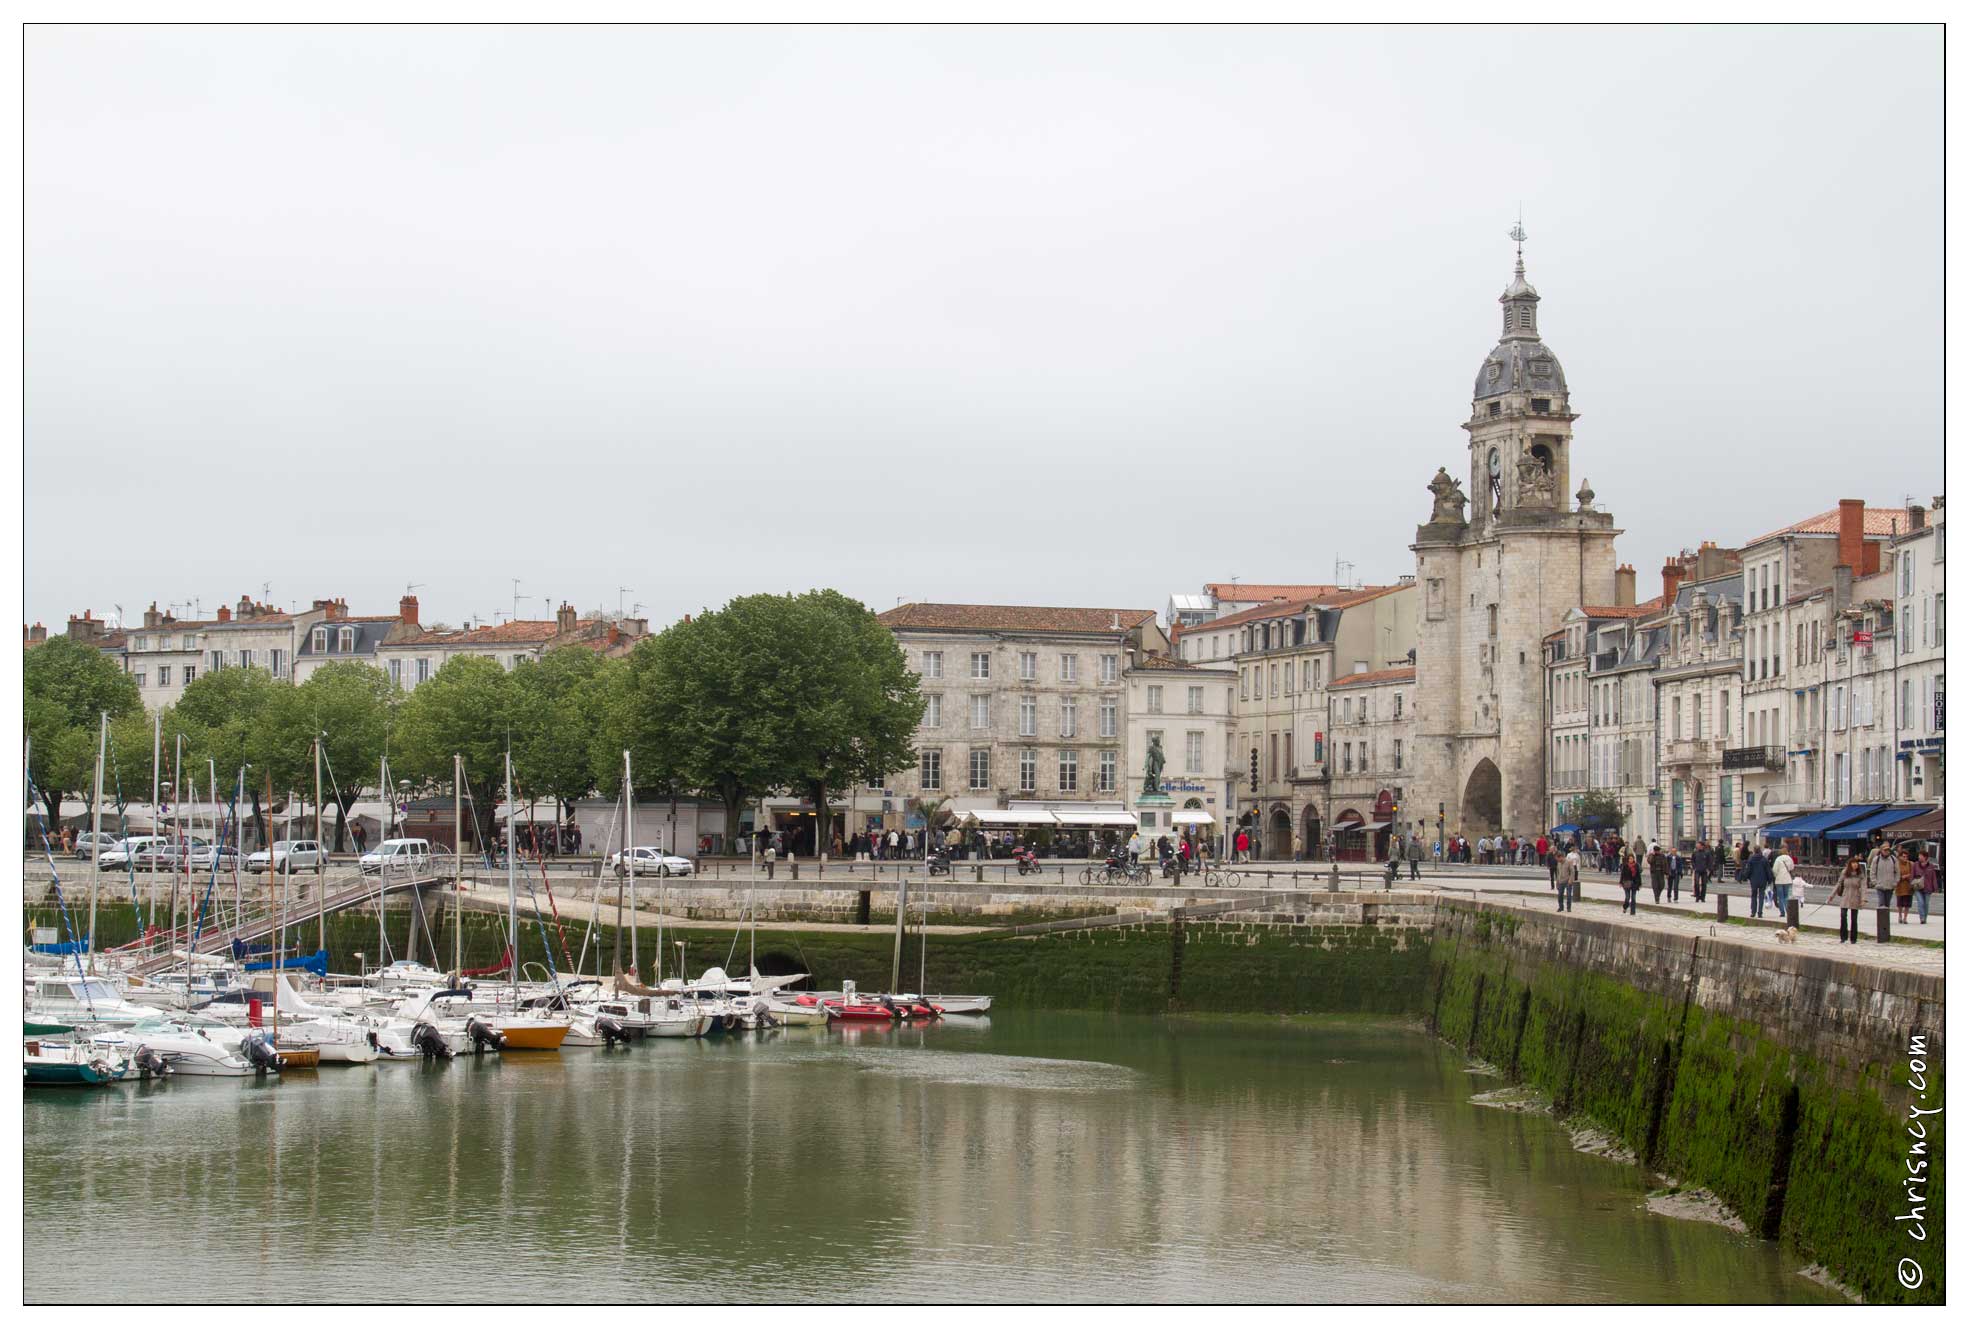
x: 1254, y: 770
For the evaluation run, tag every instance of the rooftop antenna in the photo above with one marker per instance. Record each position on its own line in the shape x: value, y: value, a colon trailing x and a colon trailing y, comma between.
x: 636, y: 609
x: 620, y: 592
x: 266, y: 591
x: 516, y: 598
x: 410, y: 586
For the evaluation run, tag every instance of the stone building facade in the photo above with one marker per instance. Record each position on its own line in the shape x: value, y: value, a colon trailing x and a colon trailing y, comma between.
x: 1697, y: 682
x: 411, y: 654
x: 1022, y: 702
x: 1191, y: 709
x: 1370, y: 762
x: 1496, y: 580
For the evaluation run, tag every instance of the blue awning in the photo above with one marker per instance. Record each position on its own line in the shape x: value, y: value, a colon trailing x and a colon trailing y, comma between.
x: 1567, y: 829
x: 1865, y: 826
x: 1818, y: 823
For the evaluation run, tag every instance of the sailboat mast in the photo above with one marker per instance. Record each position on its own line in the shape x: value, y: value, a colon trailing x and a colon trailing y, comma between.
x: 512, y: 887
x: 280, y: 939
x: 178, y: 819
x: 320, y: 879
x: 895, y: 966
x: 457, y: 865
x: 629, y: 855
x: 624, y: 852
x: 96, y: 839
x: 156, y: 761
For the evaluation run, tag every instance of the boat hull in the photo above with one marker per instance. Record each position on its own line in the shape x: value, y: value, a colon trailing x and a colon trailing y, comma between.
x: 525, y: 1036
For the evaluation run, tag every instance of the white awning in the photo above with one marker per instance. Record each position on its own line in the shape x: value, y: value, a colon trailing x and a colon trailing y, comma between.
x: 1362, y: 826
x: 1191, y: 817
x: 1000, y: 817
x: 1096, y: 818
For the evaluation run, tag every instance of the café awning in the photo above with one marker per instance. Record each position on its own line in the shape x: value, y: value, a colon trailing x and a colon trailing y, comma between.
x: 1191, y: 817
x: 1067, y: 818
x: 1865, y: 826
x: 1001, y: 817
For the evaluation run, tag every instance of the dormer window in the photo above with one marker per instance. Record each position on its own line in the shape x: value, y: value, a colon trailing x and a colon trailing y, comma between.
x: 1496, y: 371
x: 345, y: 640
x: 320, y: 640
x: 1541, y: 405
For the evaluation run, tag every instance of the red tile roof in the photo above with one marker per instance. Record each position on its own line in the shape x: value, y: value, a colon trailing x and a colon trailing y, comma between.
x: 1240, y: 591
x: 1168, y: 662
x: 1012, y: 618
x: 1641, y: 610
x: 1879, y: 522
x: 1399, y: 674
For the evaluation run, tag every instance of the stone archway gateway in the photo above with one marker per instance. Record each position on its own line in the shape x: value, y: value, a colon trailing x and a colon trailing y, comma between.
x: 1314, y: 833
x: 1483, y: 801
x: 1278, y: 836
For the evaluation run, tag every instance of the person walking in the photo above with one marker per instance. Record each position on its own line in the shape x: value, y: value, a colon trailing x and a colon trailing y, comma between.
x: 1782, y: 876
x: 1415, y: 868
x: 1702, y: 863
x: 1756, y: 870
x: 1565, y: 875
x: 1243, y: 854
x: 1657, y: 871
x: 1925, y: 881
x: 1883, y: 873
x: 1848, y: 897
x: 1630, y: 882
x: 1903, y: 885
x: 1676, y: 865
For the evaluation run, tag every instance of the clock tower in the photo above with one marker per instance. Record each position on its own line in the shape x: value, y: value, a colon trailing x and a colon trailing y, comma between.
x: 1497, y: 579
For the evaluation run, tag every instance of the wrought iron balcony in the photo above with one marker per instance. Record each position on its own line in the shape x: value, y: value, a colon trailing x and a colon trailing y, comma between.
x: 1767, y: 758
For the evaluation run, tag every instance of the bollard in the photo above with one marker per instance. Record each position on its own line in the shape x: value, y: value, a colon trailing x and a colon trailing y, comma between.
x: 1883, y: 933
x: 1333, y: 877
x: 1791, y: 913
x: 1722, y: 907
x: 977, y: 873
x: 794, y: 863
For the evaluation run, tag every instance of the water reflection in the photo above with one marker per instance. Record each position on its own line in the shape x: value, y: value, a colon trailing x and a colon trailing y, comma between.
x: 1033, y: 1156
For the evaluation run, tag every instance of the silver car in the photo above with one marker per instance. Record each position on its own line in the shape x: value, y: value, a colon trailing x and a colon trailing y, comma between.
x: 651, y: 861
x: 288, y: 856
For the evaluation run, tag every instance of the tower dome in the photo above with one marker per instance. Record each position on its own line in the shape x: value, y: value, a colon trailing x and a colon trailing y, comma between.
x: 1520, y: 363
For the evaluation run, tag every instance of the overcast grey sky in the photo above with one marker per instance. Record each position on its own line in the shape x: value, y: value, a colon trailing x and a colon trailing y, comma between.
x: 1059, y: 315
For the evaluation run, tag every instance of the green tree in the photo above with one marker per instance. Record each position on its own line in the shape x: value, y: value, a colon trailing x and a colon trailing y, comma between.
x: 241, y: 720
x: 464, y: 708
x: 847, y: 701
x: 560, y: 704
x: 67, y: 686
x: 1596, y: 809
x: 352, y: 706
x: 685, y: 706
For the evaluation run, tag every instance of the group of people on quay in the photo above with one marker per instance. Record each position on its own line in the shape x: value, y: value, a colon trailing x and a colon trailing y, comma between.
x: 1901, y: 877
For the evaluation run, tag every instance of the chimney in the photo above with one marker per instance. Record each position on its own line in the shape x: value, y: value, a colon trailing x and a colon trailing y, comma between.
x: 151, y: 616
x: 245, y: 610
x: 1673, y: 573
x: 407, y: 611
x: 225, y: 614
x: 1842, y: 588
x: 1917, y: 517
x: 564, y: 618
x: 85, y: 628
x: 1852, y: 532
x: 1623, y: 584
x: 33, y: 636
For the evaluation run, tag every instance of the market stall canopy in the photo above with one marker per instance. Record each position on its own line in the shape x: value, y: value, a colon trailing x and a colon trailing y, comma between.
x: 1096, y: 818
x: 1000, y: 817
x: 1191, y: 817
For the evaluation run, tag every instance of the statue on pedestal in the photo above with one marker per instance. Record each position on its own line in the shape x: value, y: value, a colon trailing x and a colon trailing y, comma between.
x: 1152, y: 768
x: 1449, y: 498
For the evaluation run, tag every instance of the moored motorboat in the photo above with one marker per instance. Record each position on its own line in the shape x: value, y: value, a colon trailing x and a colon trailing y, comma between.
x: 186, y: 1049
x: 50, y: 1064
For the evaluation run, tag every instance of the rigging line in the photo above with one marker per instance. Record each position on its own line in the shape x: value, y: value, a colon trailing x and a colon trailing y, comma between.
x: 198, y: 925
x: 61, y: 901
x: 534, y: 900
x: 596, y: 906
x: 123, y: 833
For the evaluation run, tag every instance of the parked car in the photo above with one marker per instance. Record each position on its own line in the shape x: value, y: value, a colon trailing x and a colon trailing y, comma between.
x: 651, y: 861
x: 288, y: 856
x: 85, y: 843
x: 146, y: 851
x: 398, y: 856
x: 204, y: 857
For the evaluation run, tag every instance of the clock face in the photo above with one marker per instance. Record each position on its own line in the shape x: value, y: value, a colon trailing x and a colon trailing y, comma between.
x: 1493, y: 461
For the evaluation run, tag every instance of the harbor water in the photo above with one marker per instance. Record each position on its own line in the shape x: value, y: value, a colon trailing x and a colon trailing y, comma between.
x: 1031, y: 1156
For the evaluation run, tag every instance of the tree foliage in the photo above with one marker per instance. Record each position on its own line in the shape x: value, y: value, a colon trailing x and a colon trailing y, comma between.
x: 559, y: 704
x: 465, y: 708
x: 67, y: 686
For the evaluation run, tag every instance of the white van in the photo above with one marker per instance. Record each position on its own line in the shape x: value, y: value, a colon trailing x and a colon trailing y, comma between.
x: 398, y: 856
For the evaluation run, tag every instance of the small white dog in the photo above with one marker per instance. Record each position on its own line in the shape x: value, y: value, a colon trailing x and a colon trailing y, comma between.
x: 1789, y: 936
